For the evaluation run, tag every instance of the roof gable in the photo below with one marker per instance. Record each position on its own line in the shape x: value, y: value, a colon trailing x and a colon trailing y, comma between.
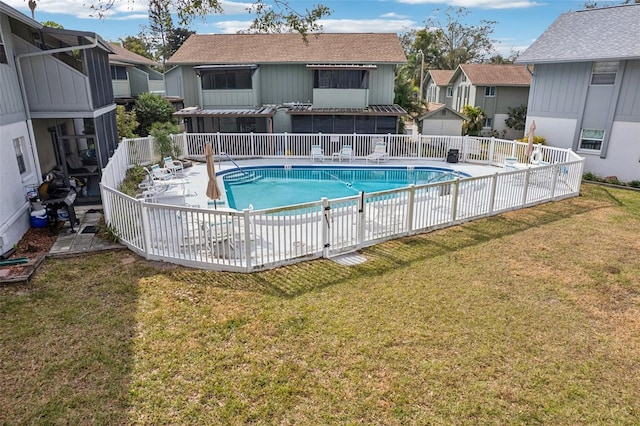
x: 441, y: 77
x: 282, y: 48
x: 494, y: 74
x: 610, y: 33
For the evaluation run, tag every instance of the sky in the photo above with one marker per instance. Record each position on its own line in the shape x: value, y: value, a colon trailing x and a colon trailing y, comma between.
x: 519, y: 22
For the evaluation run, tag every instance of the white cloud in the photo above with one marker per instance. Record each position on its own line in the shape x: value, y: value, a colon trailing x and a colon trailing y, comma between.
x: 367, y: 25
x: 235, y: 8
x: 484, y: 4
x: 393, y: 15
x: 121, y: 10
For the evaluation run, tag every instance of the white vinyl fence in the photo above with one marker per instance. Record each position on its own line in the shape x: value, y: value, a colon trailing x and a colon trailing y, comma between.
x: 256, y: 240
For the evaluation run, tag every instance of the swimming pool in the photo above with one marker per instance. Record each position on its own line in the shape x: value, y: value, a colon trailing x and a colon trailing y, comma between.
x: 275, y: 186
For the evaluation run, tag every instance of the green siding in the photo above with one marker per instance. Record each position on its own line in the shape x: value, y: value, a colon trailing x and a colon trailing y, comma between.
x: 286, y: 83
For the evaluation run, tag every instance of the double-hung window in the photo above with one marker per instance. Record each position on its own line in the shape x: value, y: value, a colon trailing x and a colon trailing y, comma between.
x: 449, y: 92
x: 487, y: 122
x: 18, y: 147
x: 591, y: 139
x: 604, y: 72
x: 490, y: 91
x: 3, y: 53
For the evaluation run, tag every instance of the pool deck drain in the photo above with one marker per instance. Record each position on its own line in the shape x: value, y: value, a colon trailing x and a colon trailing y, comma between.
x: 349, y: 259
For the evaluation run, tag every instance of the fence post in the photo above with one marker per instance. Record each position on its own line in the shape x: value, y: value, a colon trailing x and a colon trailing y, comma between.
x: 360, y: 219
x: 525, y: 186
x: 146, y: 238
x: 253, y: 143
x: 454, y: 199
x: 465, y: 145
x: 492, y: 147
x: 326, y: 224
x: 492, y: 196
x: 410, y: 209
x: 286, y: 143
x: 513, y: 148
x: 218, y: 142
x: 554, y: 180
x: 247, y: 239
x: 419, y: 145
x: 353, y: 144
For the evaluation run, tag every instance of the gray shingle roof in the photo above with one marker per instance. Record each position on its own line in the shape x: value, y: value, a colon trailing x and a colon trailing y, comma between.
x: 324, y: 48
x: 611, y: 33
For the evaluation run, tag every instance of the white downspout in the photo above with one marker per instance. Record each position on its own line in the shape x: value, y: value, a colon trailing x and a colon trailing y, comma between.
x: 25, y: 99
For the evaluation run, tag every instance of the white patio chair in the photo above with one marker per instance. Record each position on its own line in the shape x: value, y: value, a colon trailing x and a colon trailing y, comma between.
x: 174, y: 166
x: 379, y: 153
x: 316, y: 153
x: 346, y: 152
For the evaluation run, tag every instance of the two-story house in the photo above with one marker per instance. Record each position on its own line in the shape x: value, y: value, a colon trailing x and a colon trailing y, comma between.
x: 332, y: 83
x: 56, y: 111
x: 437, y: 87
x: 133, y: 74
x: 585, y: 92
x: 495, y: 89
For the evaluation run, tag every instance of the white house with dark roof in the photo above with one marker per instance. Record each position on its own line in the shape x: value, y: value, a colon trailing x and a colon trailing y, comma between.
x: 493, y: 87
x: 440, y: 119
x: 333, y: 83
x: 585, y: 92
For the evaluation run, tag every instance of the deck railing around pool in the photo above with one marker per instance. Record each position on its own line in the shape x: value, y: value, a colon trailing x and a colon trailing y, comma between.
x: 256, y: 240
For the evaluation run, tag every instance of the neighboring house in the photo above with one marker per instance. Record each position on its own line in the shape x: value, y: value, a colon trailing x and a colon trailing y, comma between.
x: 440, y: 120
x: 334, y: 83
x: 132, y: 75
x: 585, y: 92
x: 437, y: 87
x: 56, y: 110
x: 495, y: 89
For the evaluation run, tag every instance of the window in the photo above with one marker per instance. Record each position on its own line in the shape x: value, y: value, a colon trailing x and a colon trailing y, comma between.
x: 604, y: 72
x: 19, y: 150
x: 340, y: 79
x: 487, y: 122
x: 490, y: 91
x: 3, y: 53
x: 449, y: 92
x: 118, y: 73
x: 591, y: 139
x: 227, y: 79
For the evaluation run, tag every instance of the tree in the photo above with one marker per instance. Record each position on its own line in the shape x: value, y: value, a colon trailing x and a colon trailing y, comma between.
x: 473, y: 124
x: 271, y: 15
x: 176, y: 38
x: 517, y: 117
x: 151, y: 108
x: 52, y: 24
x: 138, y: 46
x: 595, y: 5
x: 160, y: 26
x: 126, y: 122
x: 406, y: 96
x: 457, y: 43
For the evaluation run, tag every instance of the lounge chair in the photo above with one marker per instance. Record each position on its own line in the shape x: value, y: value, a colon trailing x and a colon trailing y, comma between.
x: 379, y: 153
x: 316, y: 152
x: 346, y: 152
x: 174, y: 166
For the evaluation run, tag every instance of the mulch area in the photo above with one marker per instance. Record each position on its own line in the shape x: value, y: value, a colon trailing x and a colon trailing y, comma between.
x: 33, y: 246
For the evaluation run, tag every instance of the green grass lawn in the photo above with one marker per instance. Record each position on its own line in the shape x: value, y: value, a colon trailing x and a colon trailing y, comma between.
x: 529, y: 317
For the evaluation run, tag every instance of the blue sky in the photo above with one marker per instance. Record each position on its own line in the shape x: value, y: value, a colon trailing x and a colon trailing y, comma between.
x: 519, y: 22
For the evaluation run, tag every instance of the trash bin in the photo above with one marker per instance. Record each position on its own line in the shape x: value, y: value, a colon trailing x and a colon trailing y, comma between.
x: 452, y: 155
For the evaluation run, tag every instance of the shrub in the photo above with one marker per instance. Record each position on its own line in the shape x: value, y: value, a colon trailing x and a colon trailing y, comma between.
x: 591, y: 176
x: 126, y: 123
x: 634, y: 184
x: 161, y: 133
x: 536, y: 140
x: 151, y: 108
x: 132, y: 178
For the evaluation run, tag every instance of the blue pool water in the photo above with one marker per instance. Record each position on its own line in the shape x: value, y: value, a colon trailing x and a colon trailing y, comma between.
x: 276, y: 186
